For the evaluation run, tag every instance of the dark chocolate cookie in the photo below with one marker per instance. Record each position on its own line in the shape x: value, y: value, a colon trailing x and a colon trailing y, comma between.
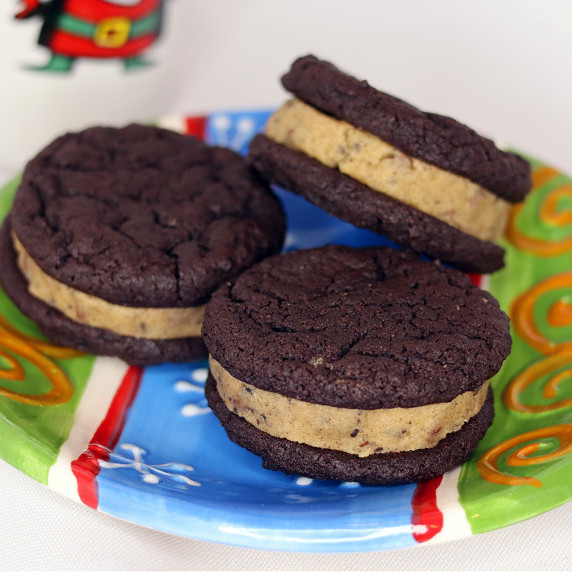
x: 433, y: 138
x: 144, y: 217
x: 382, y: 468
x: 121, y: 235
x: 357, y: 328
x: 62, y: 330
x: 350, y: 200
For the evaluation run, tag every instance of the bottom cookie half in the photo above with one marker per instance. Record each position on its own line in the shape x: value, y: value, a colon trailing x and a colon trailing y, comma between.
x: 98, y: 341
x: 378, y: 469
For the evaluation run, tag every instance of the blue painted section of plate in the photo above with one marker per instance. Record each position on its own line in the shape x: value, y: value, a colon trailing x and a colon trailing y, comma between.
x: 235, y: 129
x: 174, y: 469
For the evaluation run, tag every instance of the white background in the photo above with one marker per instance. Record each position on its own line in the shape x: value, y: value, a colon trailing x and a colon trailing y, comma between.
x: 503, y: 67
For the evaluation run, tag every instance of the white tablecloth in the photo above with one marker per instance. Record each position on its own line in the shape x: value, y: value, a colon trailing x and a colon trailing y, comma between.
x: 502, y: 66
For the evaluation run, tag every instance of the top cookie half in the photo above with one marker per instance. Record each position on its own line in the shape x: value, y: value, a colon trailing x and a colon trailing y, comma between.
x: 424, y: 181
x: 142, y: 216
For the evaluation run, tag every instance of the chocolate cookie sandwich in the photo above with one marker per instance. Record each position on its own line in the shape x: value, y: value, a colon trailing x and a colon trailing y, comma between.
x: 423, y: 180
x: 365, y: 365
x: 118, y: 237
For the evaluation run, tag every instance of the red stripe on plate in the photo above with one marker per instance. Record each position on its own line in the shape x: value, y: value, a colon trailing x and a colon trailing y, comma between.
x: 196, y: 126
x: 476, y: 279
x: 86, y: 467
x: 427, y: 519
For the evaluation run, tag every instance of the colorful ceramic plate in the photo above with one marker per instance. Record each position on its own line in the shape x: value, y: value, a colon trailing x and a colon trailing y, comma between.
x: 142, y: 444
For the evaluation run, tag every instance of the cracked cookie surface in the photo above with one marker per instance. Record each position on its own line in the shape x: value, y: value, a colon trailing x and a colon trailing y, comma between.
x: 357, y: 328
x: 142, y: 216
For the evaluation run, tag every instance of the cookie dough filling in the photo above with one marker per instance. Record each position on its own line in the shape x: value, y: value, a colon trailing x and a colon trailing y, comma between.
x: 361, y: 432
x: 148, y: 323
x: 366, y: 158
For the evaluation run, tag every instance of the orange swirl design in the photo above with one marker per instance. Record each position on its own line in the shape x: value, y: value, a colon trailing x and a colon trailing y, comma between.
x: 533, y: 373
x: 47, y: 348
x: 522, y: 314
x: 550, y: 215
x: 37, y: 352
x: 487, y: 465
x: 559, y: 314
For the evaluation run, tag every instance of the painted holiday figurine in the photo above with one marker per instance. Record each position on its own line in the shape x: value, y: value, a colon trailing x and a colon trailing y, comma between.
x: 72, y: 29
